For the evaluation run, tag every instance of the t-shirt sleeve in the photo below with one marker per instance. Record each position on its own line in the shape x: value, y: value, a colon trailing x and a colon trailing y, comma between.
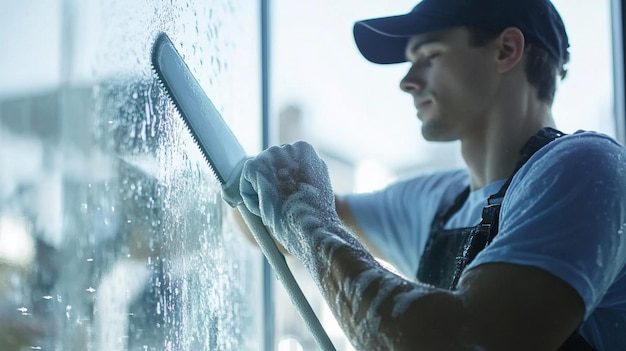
x: 397, y: 219
x: 565, y: 213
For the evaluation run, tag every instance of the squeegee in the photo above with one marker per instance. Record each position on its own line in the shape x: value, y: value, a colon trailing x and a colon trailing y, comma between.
x: 225, y: 157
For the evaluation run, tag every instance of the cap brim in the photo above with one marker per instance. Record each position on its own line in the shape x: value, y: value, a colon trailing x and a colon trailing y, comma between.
x: 383, y: 40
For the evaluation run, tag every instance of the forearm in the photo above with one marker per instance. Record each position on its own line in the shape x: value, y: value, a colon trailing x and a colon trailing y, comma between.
x: 356, y: 288
x: 376, y: 308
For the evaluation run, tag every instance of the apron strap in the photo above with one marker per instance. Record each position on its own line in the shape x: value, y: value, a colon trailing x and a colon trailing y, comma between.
x: 534, y: 144
x: 490, y: 220
x: 442, y: 218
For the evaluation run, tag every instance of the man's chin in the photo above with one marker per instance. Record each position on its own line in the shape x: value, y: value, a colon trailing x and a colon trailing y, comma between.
x: 436, y: 132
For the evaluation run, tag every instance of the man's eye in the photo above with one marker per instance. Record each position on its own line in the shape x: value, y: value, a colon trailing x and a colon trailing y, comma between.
x: 426, y: 60
x: 432, y: 56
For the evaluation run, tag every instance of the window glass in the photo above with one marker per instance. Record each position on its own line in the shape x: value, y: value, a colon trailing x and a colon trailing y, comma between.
x: 113, y: 234
x: 584, y: 99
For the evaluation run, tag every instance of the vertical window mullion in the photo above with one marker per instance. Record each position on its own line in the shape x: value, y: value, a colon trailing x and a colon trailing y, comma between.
x: 268, y: 290
x: 619, y: 92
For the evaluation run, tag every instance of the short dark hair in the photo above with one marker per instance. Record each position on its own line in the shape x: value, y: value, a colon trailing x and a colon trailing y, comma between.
x: 541, y: 68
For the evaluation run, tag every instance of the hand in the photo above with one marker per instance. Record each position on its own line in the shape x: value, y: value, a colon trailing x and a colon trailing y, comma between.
x: 289, y: 188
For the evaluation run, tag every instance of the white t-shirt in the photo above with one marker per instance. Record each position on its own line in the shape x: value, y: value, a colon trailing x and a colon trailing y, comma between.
x: 564, y: 212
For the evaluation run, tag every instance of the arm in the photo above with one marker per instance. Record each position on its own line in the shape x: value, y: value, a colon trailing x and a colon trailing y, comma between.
x: 498, y: 306
x: 348, y: 220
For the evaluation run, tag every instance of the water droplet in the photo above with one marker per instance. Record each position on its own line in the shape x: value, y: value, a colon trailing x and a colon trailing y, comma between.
x: 90, y: 289
x: 23, y: 309
x: 90, y: 260
x: 135, y: 95
x: 47, y: 297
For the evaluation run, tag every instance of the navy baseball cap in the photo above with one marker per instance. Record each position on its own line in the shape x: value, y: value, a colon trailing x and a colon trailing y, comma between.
x: 383, y: 40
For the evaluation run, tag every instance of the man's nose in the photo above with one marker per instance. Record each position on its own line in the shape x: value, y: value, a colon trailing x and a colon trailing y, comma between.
x: 412, y: 82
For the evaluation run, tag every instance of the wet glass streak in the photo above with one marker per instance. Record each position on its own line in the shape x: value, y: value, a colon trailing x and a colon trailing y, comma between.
x: 138, y: 253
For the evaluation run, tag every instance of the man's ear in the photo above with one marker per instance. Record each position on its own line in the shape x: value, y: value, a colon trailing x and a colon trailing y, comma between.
x: 510, y: 44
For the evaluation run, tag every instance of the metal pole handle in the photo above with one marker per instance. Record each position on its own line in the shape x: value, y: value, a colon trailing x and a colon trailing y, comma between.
x: 278, y: 263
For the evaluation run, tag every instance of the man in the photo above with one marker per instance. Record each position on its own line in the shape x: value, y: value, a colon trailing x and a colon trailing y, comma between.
x: 524, y: 250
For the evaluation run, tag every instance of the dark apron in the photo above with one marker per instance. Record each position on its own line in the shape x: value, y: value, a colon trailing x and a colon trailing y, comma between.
x: 449, y: 251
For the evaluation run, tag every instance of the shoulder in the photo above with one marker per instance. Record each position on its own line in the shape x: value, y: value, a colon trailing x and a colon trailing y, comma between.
x: 583, y: 148
x: 577, y: 159
x: 564, y: 212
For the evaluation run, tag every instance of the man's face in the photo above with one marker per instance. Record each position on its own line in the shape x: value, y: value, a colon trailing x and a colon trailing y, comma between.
x: 453, y: 84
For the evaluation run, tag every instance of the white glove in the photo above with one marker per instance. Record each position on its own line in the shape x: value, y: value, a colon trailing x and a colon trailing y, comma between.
x: 289, y: 188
